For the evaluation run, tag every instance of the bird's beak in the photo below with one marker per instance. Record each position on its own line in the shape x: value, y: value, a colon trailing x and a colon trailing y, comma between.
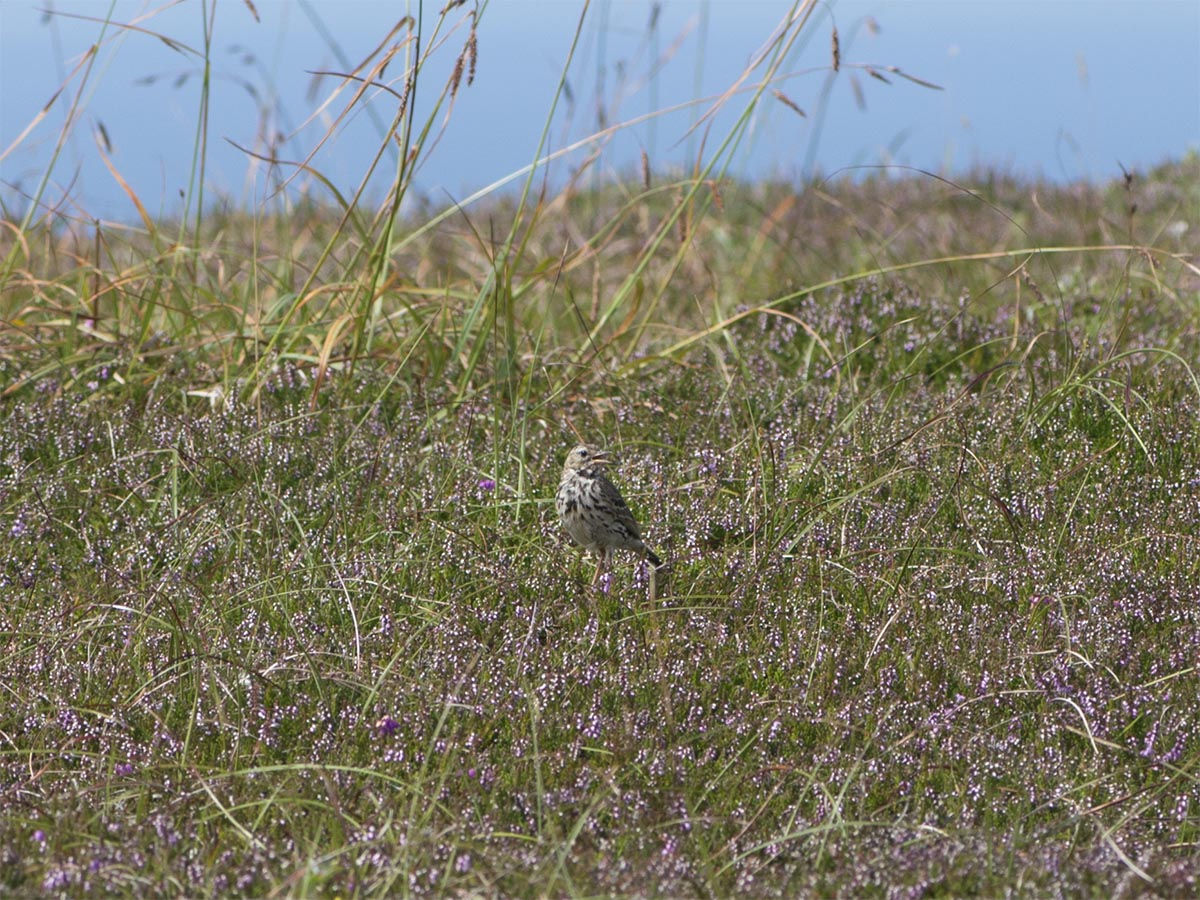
x: 601, y: 457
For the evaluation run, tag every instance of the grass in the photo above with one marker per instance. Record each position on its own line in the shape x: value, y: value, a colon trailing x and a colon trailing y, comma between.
x: 287, y: 609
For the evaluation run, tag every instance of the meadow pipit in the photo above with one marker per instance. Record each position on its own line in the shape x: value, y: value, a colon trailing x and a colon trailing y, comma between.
x: 593, y: 510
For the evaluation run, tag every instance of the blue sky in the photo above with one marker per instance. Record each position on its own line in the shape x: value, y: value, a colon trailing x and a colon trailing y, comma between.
x: 1062, y: 89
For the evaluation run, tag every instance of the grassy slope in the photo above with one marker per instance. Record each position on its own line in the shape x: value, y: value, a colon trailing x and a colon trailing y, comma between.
x: 931, y: 621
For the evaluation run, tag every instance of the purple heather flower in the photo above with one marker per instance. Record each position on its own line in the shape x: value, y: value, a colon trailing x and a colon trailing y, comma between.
x: 55, y: 880
x: 1148, y: 748
x: 487, y: 484
x: 39, y: 836
x: 387, y: 726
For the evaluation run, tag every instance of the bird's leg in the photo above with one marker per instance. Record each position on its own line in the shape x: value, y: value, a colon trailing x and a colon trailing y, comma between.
x: 601, y: 562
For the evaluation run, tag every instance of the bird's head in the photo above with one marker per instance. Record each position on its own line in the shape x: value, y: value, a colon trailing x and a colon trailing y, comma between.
x: 582, y: 457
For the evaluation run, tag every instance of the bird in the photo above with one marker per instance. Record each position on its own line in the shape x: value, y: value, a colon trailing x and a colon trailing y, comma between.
x: 593, y: 511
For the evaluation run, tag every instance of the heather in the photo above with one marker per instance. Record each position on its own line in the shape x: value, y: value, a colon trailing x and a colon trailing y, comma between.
x: 930, y: 625
x: 287, y: 609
